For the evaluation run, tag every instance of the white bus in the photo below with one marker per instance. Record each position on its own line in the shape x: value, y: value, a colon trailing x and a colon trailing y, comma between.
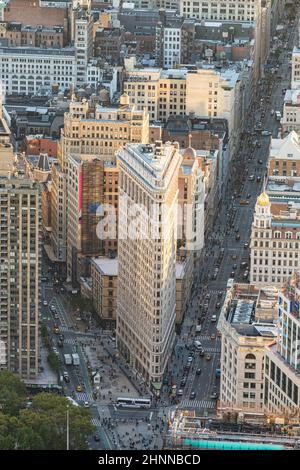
x: 71, y: 400
x: 133, y: 402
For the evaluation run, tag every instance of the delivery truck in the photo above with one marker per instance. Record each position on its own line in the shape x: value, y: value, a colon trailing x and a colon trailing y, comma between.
x: 68, y: 359
x: 75, y: 359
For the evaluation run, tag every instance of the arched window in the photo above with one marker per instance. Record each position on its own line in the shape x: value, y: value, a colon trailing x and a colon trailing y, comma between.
x: 288, y: 235
x: 250, y: 356
x: 277, y: 234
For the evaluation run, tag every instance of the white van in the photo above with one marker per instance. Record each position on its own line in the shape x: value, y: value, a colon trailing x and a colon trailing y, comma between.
x: 197, y: 344
x: 214, y: 318
x: 198, y: 328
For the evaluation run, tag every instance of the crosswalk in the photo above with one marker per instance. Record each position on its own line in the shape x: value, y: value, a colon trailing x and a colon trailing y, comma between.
x: 96, y: 422
x: 84, y: 396
x: 71, y: 341
x: 207, y: 338
x: 213, y: 350
x: 64, y: 328
x: 203, y: 404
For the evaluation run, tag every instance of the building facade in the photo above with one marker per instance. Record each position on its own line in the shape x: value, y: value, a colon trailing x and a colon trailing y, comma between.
x: 28, y: 69
x: 20, y: 248
x: 147, y: 256
x: 244, y: 337
x: 275, y: 241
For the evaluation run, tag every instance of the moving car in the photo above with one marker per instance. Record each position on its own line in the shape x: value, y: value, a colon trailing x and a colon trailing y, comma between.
x: 192, y: 395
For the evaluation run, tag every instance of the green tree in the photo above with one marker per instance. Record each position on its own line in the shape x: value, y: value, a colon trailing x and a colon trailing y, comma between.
x: 8, y: 430
x: 80, y: 425
x: 44, y: 330
x: 12, y: 393
x: 44, y: 425
x: 53, y: 361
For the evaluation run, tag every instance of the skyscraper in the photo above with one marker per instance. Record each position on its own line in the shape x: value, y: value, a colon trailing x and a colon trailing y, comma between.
x: 20, y: 246
x: 148, y: 194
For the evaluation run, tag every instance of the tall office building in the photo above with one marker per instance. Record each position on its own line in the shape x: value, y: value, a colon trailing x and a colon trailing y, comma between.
x: 148, y: 185
x: 20, y: 214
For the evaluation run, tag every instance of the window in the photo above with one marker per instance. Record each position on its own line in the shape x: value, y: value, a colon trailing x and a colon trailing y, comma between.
x: 250, y: 356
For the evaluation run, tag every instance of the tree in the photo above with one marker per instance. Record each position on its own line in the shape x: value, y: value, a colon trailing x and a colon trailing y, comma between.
x: 53, y: 361
x: 8, y: 429
x: 12, y: 393
x: 79, y: 420
x: 44, y: 425
x: 44, y: 330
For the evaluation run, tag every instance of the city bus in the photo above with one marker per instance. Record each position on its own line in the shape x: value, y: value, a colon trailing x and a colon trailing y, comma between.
x: 123, y: 402
x: 71, y: 400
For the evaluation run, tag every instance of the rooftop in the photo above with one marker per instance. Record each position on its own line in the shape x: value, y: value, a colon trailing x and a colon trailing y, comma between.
x: 70, y: 52
x: 287, y: 148
x: 107, y: 266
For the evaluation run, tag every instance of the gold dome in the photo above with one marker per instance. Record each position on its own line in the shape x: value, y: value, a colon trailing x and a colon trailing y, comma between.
x: 263, y: 199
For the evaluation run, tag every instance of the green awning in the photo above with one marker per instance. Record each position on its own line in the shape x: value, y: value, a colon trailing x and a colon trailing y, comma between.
x: 156, y: 385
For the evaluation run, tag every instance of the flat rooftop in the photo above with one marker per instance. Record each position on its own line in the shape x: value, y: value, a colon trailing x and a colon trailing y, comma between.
x: 107, y: 266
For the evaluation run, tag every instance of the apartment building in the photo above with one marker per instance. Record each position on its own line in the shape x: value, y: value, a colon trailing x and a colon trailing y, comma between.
x: 282, y: 361
x: 247, y: 323
x: 284, y: 157
x: 102, y: 131
x: 291, y: 112
x: 27, y: 69
x: 275, y: 240
x: 20, y: 213
x: 219, y: 93
x: 168, y: 42
x: 162, y: 93
x: 83, y: 42
x: 295, y: 79
x: 220, y: 10
x: 18, y: 35
x: 147, y: 256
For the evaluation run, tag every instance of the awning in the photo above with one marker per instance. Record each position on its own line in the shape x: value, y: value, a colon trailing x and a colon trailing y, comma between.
x: 156, y: 385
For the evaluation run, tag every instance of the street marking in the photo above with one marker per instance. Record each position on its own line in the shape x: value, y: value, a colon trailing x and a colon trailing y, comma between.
x: 205, y: 404
x: 96, y: 422
x: 84, y: 396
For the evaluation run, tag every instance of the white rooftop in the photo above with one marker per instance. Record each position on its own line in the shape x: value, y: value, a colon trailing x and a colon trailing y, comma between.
x: 107, y: 266
x: 286, y: 148
x: 292, y: 96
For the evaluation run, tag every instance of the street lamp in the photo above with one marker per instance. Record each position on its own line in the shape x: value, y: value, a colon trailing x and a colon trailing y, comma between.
x: 68, y: 433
